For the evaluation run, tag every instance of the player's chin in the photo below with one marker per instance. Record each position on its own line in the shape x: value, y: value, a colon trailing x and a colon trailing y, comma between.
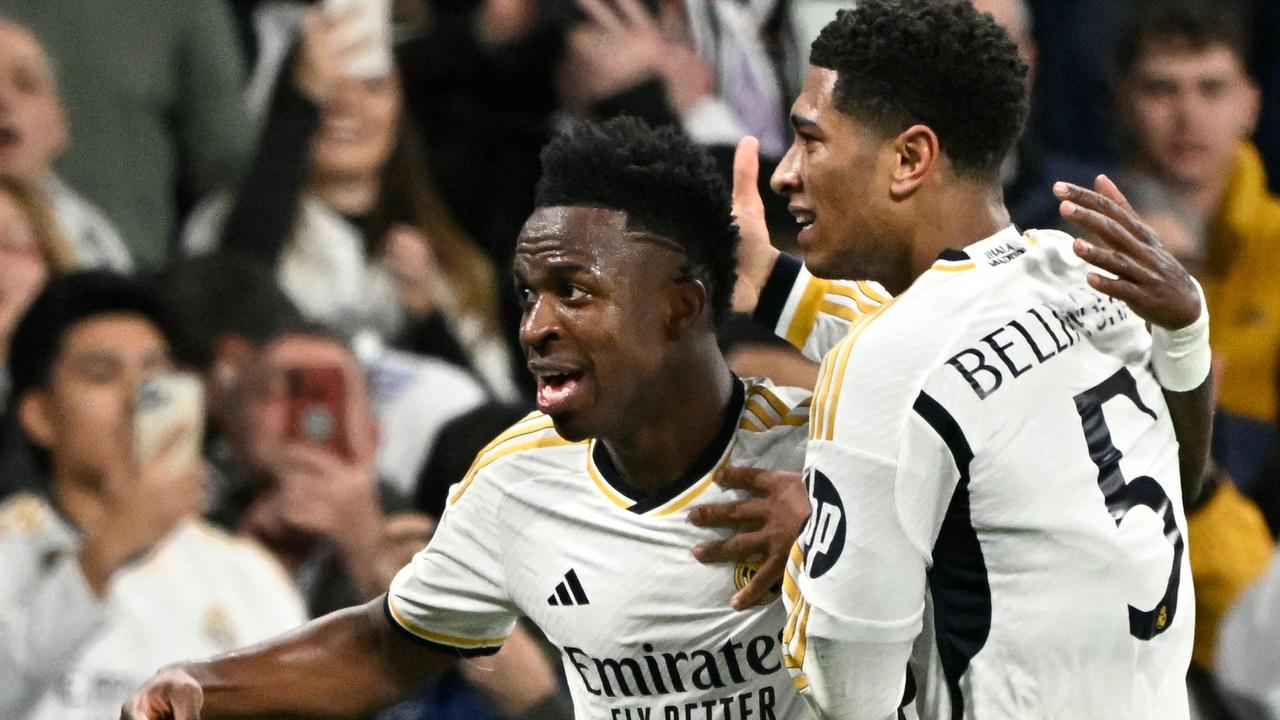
x: 573, y: 426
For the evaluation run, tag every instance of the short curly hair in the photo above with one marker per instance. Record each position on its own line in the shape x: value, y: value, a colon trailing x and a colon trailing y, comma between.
x: 666, y: 184
x: 936, y: 62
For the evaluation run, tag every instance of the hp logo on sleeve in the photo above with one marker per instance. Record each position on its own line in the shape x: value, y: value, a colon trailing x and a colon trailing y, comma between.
x: 823, y: 536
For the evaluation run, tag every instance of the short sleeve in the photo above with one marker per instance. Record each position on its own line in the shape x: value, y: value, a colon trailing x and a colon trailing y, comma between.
x: 453, y: 594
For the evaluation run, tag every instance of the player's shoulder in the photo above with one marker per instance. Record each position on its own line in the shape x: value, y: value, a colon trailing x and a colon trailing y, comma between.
x: 528, y: 448
x: 768, y: 407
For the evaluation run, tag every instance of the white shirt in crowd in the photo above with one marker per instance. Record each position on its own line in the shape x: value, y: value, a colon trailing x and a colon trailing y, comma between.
x: 66, y: 655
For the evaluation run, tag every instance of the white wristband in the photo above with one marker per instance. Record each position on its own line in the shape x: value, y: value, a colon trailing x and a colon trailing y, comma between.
x: 1181, y: 358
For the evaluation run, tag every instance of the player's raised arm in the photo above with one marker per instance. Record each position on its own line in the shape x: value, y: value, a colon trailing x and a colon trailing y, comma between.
x: 1156, y: 287
x: 348, y: 663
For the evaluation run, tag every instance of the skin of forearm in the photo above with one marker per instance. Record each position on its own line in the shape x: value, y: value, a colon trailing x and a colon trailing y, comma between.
x: 351, y: 662
x: 1192, y: 415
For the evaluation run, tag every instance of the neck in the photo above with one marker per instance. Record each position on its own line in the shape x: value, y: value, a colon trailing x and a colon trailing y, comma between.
x: 685, y: 423
x: 80, y: 501
x: 349, y: 195
x: 1202, y: 198
x: 962, y: 213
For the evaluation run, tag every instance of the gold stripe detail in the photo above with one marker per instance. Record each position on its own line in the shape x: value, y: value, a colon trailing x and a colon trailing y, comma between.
x: 953, y: 268
x: 840, y: 311
x: 870, y: 291
x: 789, y: 586
x: 520, y: 429
x: 501, y: 452
x: 820, y: 398
x: 864, y: 306
x: 765, y: 419
x: 749, y: 425
x: 838, y: 379
x: 454, y: 640
x: 613, y: 495
x: 806, y: 312
x: 801, y: 681
x: 802, y: 637
x: 774, y: 401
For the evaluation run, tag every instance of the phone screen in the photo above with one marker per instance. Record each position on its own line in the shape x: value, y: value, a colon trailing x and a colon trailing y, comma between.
x: 317, y: 407
x: 165, y: 405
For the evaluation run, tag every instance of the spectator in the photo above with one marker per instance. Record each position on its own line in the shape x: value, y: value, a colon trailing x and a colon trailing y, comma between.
x: 1248, y: 653
x: 153, y: 97
x: 1188, y: 104
x: 33, y: 133
x: 32, y: 248
x: 1029, y: 172
x: 108, y: 573
x: 372, y: 247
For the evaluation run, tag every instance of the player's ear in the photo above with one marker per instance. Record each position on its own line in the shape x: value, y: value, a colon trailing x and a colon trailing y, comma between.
x: 916, y: 151
x: 687, y: 303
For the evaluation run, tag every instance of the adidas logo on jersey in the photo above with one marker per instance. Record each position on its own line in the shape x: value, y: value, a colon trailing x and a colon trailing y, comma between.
x: 569, y: 592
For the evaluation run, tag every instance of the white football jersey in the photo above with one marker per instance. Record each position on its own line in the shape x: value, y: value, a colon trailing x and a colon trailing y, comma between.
x: 545, y: 528
x: 65, y: 655
x: 995, y: 480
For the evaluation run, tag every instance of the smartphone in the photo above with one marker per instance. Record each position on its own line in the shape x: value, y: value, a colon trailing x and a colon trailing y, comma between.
x: 163, y: 404
x: 372, y: 18
x: 318, y: 407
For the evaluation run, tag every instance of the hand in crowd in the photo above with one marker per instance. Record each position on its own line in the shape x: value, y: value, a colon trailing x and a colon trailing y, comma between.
x: 412, y: 267
x: 514, y: 679
x: 142, y: 504
x: 22, y: 274
x: 756, y: 255
x: 402, y: 536
x: 621, y: 45
x: 322, y: 494
x: 767, y: 524
x: 329, y: 43
x: 1147, y: 277
x: 501, y: 21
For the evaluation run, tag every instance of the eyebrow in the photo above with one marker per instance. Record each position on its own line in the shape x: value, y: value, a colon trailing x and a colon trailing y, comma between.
x: 801, y: 122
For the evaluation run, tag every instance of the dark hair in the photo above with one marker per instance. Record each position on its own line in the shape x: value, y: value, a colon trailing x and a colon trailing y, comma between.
x: 1194, y: 24
x: 936, y: 62
x: 665, y: 183
x: 67, y: 300
x: 222, y: 294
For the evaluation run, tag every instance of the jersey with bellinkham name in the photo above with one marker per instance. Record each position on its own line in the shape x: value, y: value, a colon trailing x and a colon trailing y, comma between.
x: 544, y: 528
x: 996, y: 497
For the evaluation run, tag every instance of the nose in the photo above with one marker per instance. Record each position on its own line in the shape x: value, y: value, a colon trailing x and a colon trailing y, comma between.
x: 539, y: 325
x: 786, y: 177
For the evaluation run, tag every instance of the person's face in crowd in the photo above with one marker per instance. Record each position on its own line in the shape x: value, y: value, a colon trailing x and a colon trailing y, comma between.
x: 1187, y: 108
x: 262, y: 431
x: 835, y: 178
x: 33, y: 126
x: 357, y: 129
x: 595, y: 327
x: 82, y: 415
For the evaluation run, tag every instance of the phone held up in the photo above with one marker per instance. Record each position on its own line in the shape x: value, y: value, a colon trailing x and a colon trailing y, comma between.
x: 169, y: 408
x: 317, y: 399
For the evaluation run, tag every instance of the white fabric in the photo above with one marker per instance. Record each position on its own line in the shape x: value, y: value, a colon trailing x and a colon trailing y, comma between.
x: 1182, y: 358
x: 656, y: 637
x: 1248, y: 652
x: 64, y: 655
x: 1003, y: 343
x: 93, y: 237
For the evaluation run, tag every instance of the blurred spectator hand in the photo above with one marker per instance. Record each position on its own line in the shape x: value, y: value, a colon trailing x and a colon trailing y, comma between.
x: 329, y: 43
x: 501, y: 21
x: 412, y: 267
x: 619, y: 46
x: 142, y: 505
x: 756, y: 255
x: 403, y: 535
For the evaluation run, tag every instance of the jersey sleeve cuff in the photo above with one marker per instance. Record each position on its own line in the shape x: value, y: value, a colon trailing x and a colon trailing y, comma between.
x: 777, y: 289
x: 448, y: 644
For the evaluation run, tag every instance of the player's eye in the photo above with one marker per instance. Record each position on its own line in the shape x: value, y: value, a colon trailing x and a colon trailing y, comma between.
x: 575, y: 293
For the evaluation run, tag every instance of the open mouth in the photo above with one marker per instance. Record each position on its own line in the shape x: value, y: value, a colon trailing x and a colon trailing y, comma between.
x: 805, y: 219
x: 556, y: 389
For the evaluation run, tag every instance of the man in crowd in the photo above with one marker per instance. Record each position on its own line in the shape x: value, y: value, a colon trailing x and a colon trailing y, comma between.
x: 108, y: 569
x: 34, y: 133
x: 1189, y: 104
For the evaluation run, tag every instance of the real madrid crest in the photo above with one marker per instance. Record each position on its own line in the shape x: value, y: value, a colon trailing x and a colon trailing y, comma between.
x: 745, y: 570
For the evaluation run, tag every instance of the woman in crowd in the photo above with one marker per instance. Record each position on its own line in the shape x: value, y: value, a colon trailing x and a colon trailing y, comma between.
x: 338, y: 201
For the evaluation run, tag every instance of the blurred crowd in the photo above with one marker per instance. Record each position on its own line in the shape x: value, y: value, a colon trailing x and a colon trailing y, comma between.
x: 242, y: 189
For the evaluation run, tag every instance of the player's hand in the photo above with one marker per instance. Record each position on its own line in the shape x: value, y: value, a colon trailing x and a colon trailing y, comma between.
x: 1147, y: 277
x: 756, y: 255
x: 768, y: 524
x: 173, y: 694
